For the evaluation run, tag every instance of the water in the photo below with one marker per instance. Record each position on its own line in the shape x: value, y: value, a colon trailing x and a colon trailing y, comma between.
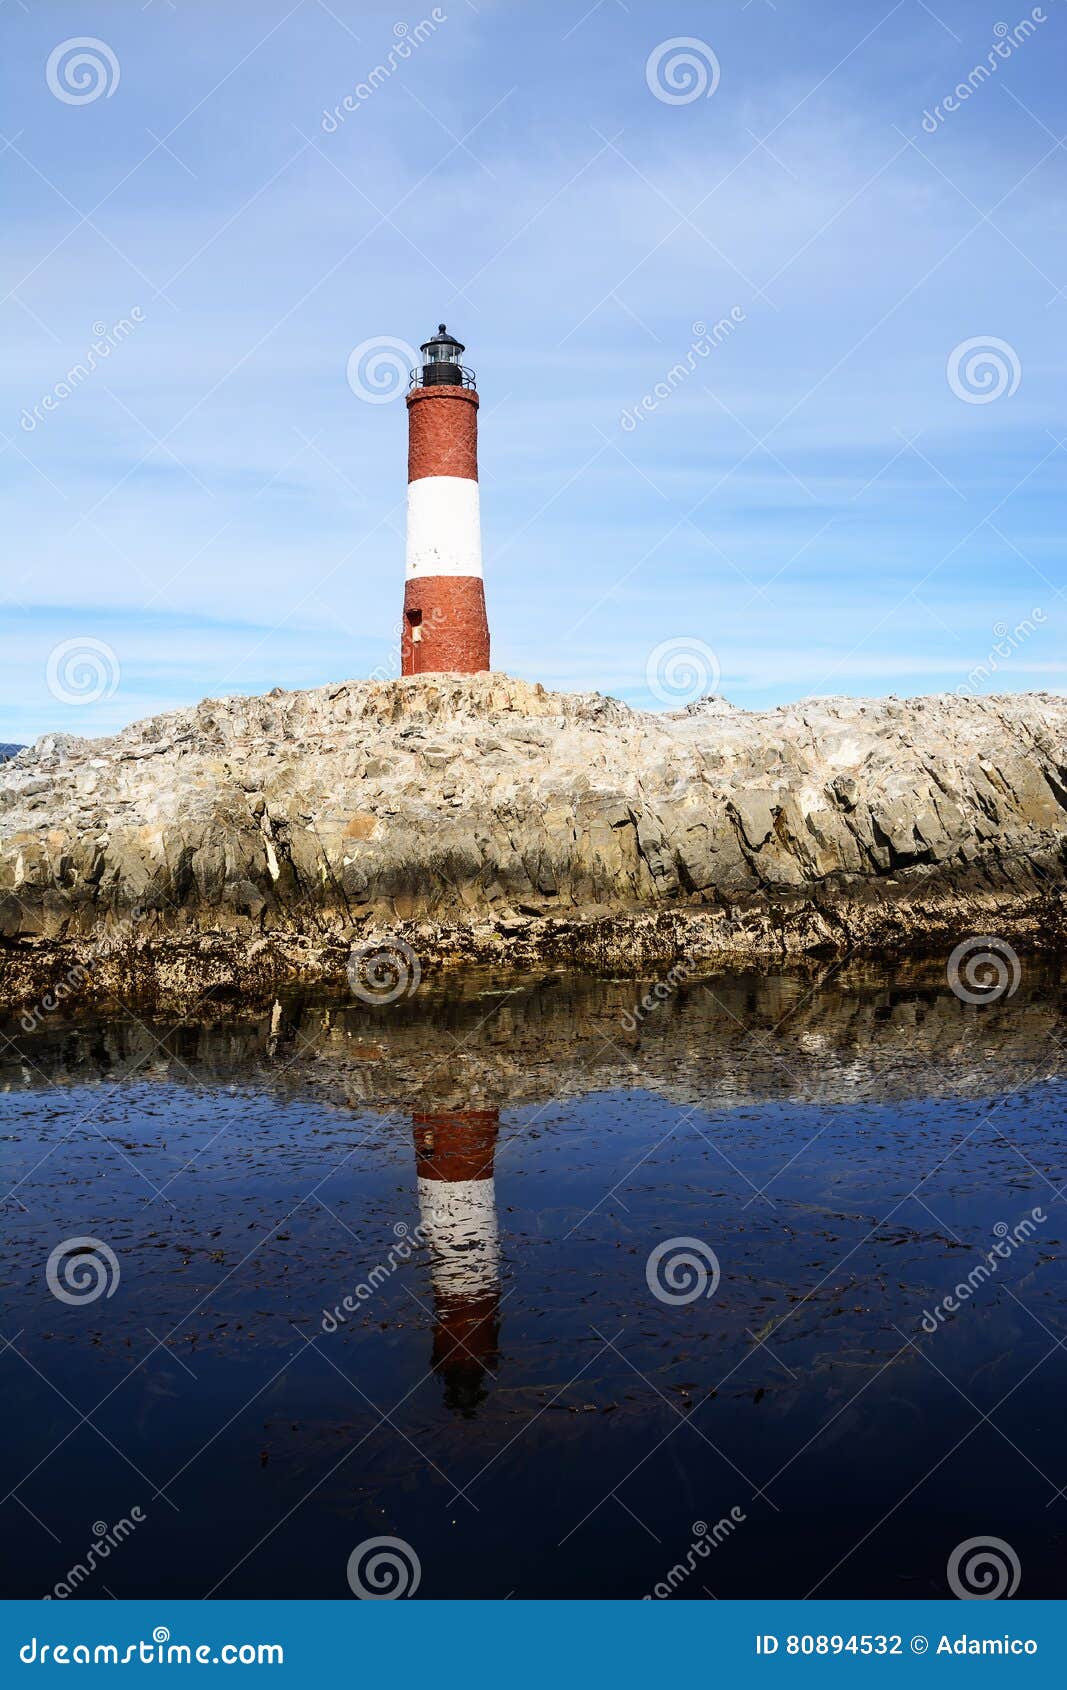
x: 483, y: 1172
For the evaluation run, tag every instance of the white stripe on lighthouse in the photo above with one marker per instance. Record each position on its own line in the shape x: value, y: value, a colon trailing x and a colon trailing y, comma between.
x: 459, y: 1220
x: 444, y: 527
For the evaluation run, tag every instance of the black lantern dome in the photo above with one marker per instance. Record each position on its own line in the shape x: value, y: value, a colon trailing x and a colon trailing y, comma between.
x: 441, y: 365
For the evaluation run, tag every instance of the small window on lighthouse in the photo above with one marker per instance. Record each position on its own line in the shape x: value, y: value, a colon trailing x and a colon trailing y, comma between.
x: 415, y: 624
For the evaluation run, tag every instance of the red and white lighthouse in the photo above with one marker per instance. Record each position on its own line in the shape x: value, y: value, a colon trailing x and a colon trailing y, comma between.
x: 457, y: 1207
x: 445, y: 626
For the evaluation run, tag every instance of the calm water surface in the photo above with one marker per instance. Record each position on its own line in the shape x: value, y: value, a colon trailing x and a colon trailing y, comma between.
x: 483, y: 1173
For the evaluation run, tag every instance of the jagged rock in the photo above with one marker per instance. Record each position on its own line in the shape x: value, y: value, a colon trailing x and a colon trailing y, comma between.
x: 249, y: 840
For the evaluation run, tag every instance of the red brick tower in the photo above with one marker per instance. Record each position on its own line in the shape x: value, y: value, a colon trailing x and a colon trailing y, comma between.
x: 445, y: 626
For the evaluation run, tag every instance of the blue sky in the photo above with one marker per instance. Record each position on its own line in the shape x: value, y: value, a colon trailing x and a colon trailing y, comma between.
x: 812, y: 499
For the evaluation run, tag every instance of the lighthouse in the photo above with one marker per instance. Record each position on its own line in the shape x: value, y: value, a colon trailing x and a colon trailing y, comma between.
x: 457, y: 1208
x: 445, y: 626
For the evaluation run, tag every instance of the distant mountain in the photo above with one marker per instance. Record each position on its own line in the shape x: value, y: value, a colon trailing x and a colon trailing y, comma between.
x: 7, y: 751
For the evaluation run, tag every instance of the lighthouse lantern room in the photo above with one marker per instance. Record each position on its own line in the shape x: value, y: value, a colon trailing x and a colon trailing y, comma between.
x: 445, y: 627
x: 441, y: 366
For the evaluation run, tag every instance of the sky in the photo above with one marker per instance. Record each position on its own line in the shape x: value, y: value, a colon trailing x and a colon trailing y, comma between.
x: 768, y: 325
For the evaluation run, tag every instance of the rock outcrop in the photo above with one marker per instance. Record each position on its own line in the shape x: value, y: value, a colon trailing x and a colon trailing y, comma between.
x: 482, y: 819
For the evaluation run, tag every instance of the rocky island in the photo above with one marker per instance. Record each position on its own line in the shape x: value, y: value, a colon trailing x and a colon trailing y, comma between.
x: 249, y: 842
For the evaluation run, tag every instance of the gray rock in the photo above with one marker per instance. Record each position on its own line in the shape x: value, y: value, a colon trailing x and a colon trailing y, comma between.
x: 488, y: 819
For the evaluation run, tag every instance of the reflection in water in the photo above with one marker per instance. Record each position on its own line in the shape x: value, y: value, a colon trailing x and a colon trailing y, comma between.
x: 457, y: 1206
x: 851, y: 1148
x: 724, y: 1040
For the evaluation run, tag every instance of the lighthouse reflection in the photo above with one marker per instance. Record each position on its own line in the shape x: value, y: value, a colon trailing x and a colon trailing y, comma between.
x: 454, y: 1152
